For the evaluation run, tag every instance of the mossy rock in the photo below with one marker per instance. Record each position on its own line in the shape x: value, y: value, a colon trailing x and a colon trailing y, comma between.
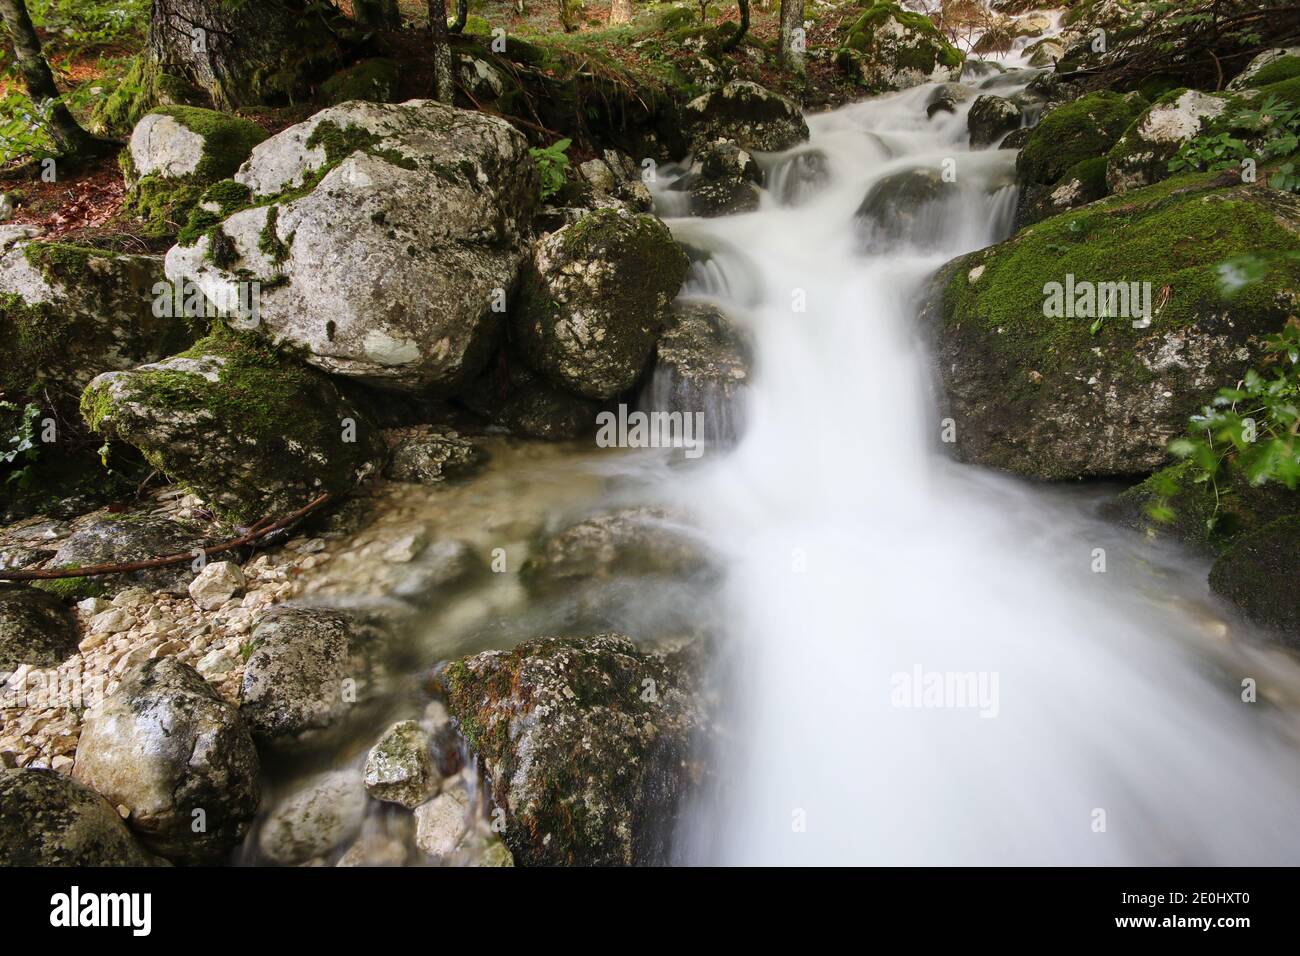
x: 1258, y: 574
x: 175, y: 154
x: 589, y: 768
x: 1141, y: 156
x: 246, y: 427
x: 1093, y: 396
x: 144, y: 86
x: 377, y: 80
x: 889, y: 48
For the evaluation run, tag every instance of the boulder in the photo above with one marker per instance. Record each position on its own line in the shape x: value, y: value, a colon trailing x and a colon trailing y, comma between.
x: 430, y: 458
x: 1271, y: 66
x: 68, y: 313
x: 991, y: 118
x: 239, y: 423
x: 586, y: 744
x: 1065, y: 137
x: 1258, y: 574
x: 753, y: 117
x: 1040, y: 383
x: 1045, y: 53
x: 47, y: 819
x: 377, y: 80
x: 1141, y: 156
x: 216, y: 584
x: 906, y: 206
x: 320, y: 815
x: 889, y: 48
x: 400, y: 768
x: 946, y: 98
x: 726, y: 181
x: 36, y: 628
x: 122, y: 540
x: 175, y: 153
x: 385, y: 238
x: 595, y: 299
x: 309, y: 669
x: 632, y: 541
x: 797, y: 177
x: 178, y: 756
x: 512, y: 397
x: 702, y: 364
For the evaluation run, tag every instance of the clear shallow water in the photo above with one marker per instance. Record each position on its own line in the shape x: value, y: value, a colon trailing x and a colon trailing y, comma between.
x: 858, y: 556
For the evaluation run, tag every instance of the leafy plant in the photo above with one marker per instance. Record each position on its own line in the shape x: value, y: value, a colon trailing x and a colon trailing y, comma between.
x: 552, y: 163
x: 1273, y: 131
x: 18, y: 441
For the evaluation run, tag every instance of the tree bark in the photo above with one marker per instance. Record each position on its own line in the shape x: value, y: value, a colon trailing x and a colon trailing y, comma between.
x: 620, y: 12
x: 241, y: 54
x: 791, y: 20
x: 73, y: 141
x: 377, y: 14
x: 444, y: 88
x: 733, y: 41
x: 462, y: 14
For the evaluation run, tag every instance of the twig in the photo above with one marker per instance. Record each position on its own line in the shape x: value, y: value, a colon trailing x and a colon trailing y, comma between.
x: 260, y: 530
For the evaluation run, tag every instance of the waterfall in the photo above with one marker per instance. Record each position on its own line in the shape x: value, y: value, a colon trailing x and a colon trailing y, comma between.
x: 925, y: 664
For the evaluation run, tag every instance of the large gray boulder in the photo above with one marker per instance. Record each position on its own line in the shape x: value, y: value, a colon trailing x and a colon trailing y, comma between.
x: 47, y: 819
x: 393, y: 268
x: 36, y: 628
x: 322, y: 814
x: 176, y: 755
x: 1141, y: 156
x: 122, y: 540
x: 586, y: 743
x: 754, y: 117
x: 991, y: 118
x: 703, y: 363
x: 595, y: 299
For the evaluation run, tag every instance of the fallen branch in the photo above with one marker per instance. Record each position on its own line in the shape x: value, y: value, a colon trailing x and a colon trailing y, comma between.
x: 260, y: 530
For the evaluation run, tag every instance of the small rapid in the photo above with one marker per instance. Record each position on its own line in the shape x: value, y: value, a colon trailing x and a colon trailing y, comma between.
x: 864, y: 568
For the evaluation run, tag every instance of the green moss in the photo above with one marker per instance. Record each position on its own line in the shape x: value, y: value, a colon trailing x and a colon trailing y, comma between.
x: 1283, y: 68
x: 1091, y: 173
x: 1077, y: 131
x: 340, y: 143
x: 922, y: 48
x: 269, y: 242
x: 73, y: 589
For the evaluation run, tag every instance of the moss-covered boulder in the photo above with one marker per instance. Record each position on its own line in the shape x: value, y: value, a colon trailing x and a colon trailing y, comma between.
x: 724, y: 181
x: 122, y: 539
x: 1271, y: 66
x: 1041, y: 382
x: 1065, y: 137
x: 36, y: 628
x: 377, y: 80
x: 47, y: 819
x: 244, y: 426
x: 175, y: 153
x: 385, y: 238
x: 750, y: 115
x: 69, y: 313
x: 889, y: 48
x: 591, y: 308
x: 1258, y: 573
x: 586, y: 744
x: 1141, y: 156
x: 172, y: 751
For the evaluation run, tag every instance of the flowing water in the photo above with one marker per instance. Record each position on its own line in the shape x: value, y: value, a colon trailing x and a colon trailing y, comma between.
x: 1109, y: 727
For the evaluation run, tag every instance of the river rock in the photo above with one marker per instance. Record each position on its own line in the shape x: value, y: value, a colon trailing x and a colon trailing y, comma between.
x: 631, y: 541
x: 586, y: 743
x: 726, y: 182
x: 309, y: 668
x: 521, y: 401
x: 400, y: 769
x: 128, y: 538
x: 991, y: 118
x: 889, y: 48
x: 592, y: 305
x: 216, y: 584
x: 1258, y: 573
x: 746, y: 113
x: 703, y: 364
x: 906, y: 206
x: 48, y: 819
x: 946, y: 98
x: 393, y: 267
x: 432, y: 457
x: 1141, y: 156
x: 320, y: 815
x: 1065, y: 138
x: 36, y: 628
x: 443, y: 823
x: 243, y: 426
x: 178, y: 756
x: 1035, y: 391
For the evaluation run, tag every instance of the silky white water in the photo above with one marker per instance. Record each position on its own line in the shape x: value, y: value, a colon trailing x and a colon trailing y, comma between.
x: 1108, y: 726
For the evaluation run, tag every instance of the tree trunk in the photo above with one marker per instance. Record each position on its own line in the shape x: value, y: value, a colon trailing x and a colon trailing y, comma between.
x: 791, y: 50
x: 377, y: 14
x: 733, y: 41
x: 462, y: 14
x: 444, y: 87
x: 620, y: 12
x: 241, y: 53
x: 73, y: 141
